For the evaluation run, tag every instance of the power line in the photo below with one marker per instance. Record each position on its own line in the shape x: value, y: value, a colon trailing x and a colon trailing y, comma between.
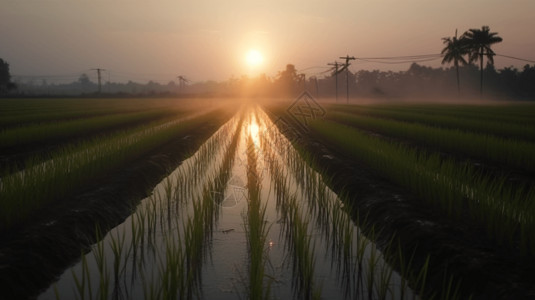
x: 314, y: 67
x: 398, y: 62
x: 517, y: 58
x: 336, y: 71
x: 418, y: 56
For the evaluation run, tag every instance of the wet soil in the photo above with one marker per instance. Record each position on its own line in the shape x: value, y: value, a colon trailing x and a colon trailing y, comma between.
x: 459, y: 249
x: 33, y: 255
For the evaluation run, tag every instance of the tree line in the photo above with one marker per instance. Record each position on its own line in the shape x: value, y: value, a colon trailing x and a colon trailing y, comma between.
x: 475, y: 44
x: 6, y: 85
x: 460, y: 54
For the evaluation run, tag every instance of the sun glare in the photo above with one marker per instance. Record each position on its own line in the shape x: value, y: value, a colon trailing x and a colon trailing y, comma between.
x: 254, y: 58
x: 254, y: 130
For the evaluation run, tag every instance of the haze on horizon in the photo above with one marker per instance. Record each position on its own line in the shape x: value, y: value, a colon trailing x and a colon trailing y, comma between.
x: 211, y: 40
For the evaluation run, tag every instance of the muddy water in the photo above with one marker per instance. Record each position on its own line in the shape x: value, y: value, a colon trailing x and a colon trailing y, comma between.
x: 244, y: 217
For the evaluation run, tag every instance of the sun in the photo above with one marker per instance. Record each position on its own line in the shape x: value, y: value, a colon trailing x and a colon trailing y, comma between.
x: 254, y: 58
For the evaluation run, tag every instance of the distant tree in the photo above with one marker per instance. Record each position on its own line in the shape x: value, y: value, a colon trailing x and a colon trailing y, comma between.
x: 5, y: 78
x: 287, y: 79
x: 84, y: 79
x: 479, y: 42
x: 454, y: 51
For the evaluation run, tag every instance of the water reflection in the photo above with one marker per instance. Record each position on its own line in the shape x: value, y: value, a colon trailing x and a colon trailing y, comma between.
x: 244, y: 217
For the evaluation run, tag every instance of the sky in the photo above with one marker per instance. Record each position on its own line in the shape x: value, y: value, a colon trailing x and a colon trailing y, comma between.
x: 140, y: 40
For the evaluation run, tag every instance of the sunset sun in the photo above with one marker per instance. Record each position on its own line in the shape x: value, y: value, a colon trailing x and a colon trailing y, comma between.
x: 254, y: 58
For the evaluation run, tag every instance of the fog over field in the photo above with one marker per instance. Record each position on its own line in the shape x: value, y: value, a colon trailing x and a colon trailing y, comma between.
x: 209, y: 40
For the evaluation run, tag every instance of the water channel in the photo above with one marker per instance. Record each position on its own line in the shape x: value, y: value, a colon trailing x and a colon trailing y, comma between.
x: 244, y: 217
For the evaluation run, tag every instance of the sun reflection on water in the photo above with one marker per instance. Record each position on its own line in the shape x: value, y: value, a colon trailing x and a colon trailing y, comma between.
x: 254, y: 130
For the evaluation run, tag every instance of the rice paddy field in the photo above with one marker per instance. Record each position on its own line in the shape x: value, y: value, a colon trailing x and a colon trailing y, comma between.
x: 186, y: 199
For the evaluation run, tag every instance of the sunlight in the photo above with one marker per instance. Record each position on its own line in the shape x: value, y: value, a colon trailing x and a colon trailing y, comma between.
x: 253, y: 132
x: 254, y: 58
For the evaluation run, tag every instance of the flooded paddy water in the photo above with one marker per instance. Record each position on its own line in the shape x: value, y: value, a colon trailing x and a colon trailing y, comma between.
x: 244, y: 217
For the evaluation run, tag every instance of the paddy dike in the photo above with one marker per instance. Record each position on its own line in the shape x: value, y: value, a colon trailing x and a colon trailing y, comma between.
x: 458, y: 249
x: 33, y: 255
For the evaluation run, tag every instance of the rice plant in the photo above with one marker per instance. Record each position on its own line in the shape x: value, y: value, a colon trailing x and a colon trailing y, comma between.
x: 454, y: 188
x: 74, y: 166
x: 504, y: 151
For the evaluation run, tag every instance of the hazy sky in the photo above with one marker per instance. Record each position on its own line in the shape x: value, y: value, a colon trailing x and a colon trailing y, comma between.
x: 208, y: 40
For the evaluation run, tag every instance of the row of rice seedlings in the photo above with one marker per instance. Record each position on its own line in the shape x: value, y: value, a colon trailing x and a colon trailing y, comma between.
x: 191, y: 178
x: 337, y: 229
x: 200, y: 225
x: 347, y: 247
x: 296, y: 229
x: 514, y: 153
x: 456, y: 189
x: 179, y: 259
x: 360, y: 265
x: 301, y: 242
x: 256, y: 229
x: 19, y: 112
x: 504, y: 129
x: 84, y: 288
x: 69, y: 129
x: 180, y: 264
x: 520, y: 113
x: 511, y: 113
x: 41, y: 184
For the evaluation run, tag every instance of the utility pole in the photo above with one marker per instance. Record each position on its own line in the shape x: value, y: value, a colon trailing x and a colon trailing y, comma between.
x: 99, y: 80
x: 303, y: 78
x: 182, y: 82
x: 316, y: 85
x: 347, y: 58
x: 335, y: 76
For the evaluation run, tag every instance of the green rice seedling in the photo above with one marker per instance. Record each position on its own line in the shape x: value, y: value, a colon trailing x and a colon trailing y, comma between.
x: 443, y: 183
x: 21, y: 112
x: 303, y: 251
x: 70, y: 169
x: 101, y: 262
x: 121, y: 256
x: 179, y: 249
x: 360, y: 265
x: 512, y: 127
x: 514, y: 153
x: 256, y: 230
x: 173, y: 275
x: 61, y: 131
x: 83, y: 285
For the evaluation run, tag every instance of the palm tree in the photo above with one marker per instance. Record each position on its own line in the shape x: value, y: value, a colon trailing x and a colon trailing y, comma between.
x: 455, y: 50
x: 479, y: 42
